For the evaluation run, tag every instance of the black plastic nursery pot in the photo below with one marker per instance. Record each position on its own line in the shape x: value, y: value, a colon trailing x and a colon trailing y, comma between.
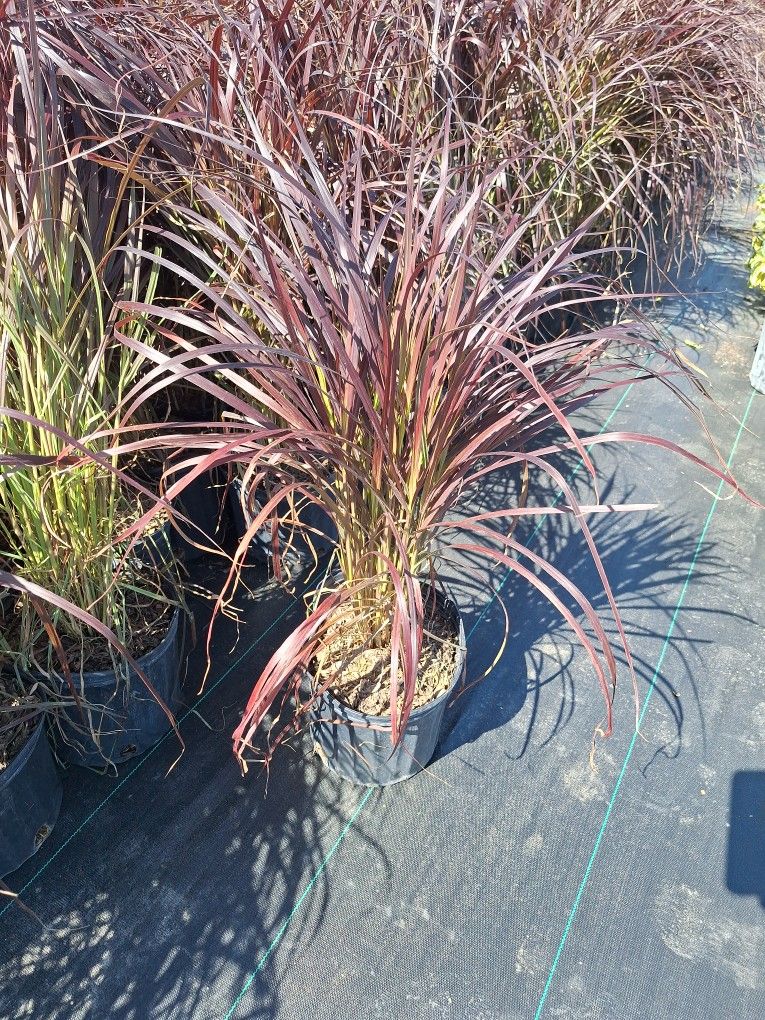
x: 122, y: 719
x: 155, y: 548
x: 206, y: 516
x: 312, y: 516
x: 30, y: 798
x: 358, y: 746
x: 163, y: 546
x: 201, y: 503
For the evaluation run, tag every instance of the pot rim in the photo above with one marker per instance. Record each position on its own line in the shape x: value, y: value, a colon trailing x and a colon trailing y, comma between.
x: 103, y: 677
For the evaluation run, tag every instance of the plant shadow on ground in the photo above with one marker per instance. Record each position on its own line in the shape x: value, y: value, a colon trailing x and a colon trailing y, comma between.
x: 646, y: 556
x: 746, y: 835
x: 709, y: 301
x: 165, y: 903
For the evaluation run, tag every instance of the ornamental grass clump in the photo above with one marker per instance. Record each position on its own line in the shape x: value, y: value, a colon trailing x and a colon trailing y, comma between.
x: 668, y: 97
x: 378, y: 364
x: 375, y: 219
x: 660, y: 103
x: 174, y: 100
x: 64, y: 501
x: 665, y: 94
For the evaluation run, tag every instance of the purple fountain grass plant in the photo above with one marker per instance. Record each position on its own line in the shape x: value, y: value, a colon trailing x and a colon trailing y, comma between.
x: 373, y: 359
x: 670, y: 95
x: 174, y: 99
x: 329, y: 181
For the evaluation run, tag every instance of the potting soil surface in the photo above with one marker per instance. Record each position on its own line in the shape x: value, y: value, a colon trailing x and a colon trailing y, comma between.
x: 512, y: 880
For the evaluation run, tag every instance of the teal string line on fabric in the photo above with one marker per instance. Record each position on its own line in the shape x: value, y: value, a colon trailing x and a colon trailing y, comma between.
x: 631, y: 748
x: 285, y: 924
x: 142, y: 761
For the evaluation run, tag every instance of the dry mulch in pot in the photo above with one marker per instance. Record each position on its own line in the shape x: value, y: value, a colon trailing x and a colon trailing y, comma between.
x: 362, y: 673
x: 148, y: 623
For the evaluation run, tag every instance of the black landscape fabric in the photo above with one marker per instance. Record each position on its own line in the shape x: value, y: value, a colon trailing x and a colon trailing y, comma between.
x: 511, y: 880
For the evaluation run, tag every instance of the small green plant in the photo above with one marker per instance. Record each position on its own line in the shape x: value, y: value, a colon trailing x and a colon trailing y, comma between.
x: 757, y: 261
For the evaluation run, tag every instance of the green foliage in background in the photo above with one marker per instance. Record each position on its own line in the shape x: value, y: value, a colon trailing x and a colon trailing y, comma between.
x: 757, y: 261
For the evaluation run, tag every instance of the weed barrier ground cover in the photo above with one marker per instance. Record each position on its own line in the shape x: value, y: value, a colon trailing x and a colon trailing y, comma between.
x: 509, y: 880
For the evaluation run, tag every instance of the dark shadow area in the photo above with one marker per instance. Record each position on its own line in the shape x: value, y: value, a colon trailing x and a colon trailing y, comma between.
x: 709, y: 304
x: 646, y: 557
x: 745, y: 873
x: 161, y: 891
x: 711, y: 290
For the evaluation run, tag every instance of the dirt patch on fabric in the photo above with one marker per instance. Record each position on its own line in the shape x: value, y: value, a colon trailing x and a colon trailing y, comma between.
x: 692, y: 926
x: 363, y: 673
x: 734, y: 351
